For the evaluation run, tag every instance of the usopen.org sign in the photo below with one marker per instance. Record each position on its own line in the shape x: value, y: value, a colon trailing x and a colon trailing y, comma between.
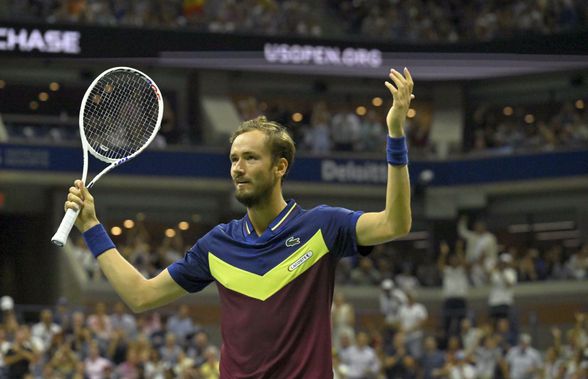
x: 35, y: 40
x: 322, y: 55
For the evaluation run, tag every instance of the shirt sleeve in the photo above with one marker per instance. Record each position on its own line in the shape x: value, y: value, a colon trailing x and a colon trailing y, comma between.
x: 192, y: 272
x: 339, y: 231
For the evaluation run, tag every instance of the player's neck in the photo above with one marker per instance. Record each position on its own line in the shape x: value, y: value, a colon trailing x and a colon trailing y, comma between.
x: 262, y: 214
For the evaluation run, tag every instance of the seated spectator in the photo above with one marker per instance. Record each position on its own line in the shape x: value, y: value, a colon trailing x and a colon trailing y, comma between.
x: 487, y: 357
x: 20, y: 354
x: 95, y: 364
x: 181, y: 324
x: 433, y: 359
x: 210, y: 369
x: 45, y: 329
x: 342, y: 318
x: 130, y: 368
x: 120, y: 319
x: 170, y: 352
x: 365, y: 274
x: 64, y: 363
x: 99, y: 322
x: 455, y: 288
x: 578, y: 263
x: 200, y: 342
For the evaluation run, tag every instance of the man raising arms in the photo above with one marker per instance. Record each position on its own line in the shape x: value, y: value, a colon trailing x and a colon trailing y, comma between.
x: 274, y: 268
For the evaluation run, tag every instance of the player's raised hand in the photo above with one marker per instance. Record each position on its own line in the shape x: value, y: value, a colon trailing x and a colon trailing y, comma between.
x: 401, y: 92
x: 79, y: 198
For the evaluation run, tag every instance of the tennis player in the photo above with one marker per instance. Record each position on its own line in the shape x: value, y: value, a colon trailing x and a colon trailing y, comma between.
x: 274, y: 268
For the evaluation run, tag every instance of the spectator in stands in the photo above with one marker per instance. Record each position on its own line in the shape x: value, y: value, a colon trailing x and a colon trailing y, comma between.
x: 4, y: 346
x: 63, y: 313
x: 455, y: 288
x: 433, y: 359
x: 413, y: 316
x: 200, y: 342
x: 361, y: 359
x: 406, y: 280
x: 120, y: 319
x: 95, y: 364
x: 365, y: 274
x: 64, y: 362
x: 526, y: 266
x: 170, y: 352
x: 181, y: 324
x: 45, y: 329
x: 342, y: 318
x: 391, y: 300
x: 99, y: 322
x: 488, y: 357
x: 130, y: 368
x: 481, y: 249
x: 470, y: 336
x: 578, y: 263
x: 523, y: 360
x: 502, y: 279
x: 345, y: 127
x: 20, y: 354
x: 155, y: 367
x: 210, y: 369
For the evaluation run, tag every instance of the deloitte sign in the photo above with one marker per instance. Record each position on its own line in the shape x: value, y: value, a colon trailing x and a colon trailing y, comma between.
x: 354, y: 172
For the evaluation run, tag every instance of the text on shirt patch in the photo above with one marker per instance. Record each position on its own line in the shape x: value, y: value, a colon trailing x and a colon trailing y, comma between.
x: 300, y: 261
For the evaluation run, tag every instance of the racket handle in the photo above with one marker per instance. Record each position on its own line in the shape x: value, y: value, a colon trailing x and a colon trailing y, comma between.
x: 67, y: 223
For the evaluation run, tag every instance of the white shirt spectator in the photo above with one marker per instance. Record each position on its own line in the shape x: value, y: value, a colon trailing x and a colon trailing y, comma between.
x: 43, y: 332
x: 94, y: 368
x: 464, y: 371
x: 478, y: 245
x: 455, y: 282
x: 391, y: 300
x: 523, y: 363
x: 361, y: 362
x: 411, y: 315
x: 502, y: 291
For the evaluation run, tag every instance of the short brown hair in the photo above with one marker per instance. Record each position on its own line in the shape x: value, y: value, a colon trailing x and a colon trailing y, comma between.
x: 280, y: 141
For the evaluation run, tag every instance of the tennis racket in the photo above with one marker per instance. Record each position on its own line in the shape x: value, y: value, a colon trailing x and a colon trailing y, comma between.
x: 120, y: 115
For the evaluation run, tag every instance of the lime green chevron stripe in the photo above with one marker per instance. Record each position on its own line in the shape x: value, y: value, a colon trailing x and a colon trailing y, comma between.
x: 263, y: 286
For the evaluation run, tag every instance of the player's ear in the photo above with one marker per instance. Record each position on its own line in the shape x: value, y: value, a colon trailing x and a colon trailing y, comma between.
x: 282, y: 167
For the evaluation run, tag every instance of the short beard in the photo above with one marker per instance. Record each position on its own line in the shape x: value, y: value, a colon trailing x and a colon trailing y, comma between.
x: 253, y: 199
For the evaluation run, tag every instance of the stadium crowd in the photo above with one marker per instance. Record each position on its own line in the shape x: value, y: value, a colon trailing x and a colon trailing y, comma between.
x: 413, y: 21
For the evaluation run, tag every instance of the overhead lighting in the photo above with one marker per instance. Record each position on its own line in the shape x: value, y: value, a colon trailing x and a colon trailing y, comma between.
x: 183, y: 225
x: 411, y: 113
x: 2, y: 83
x: 507, y: 111
x: 170, y: 233
x: 129, y: 224
x: 377, y: 101
x: 361, y: 110
x: 43, y: 96
x: 297, y: 117
x: 54, y: 86
x: 529, y: 118
x: 579, y: 104
x: 116, y: 231
x: 34, y: 105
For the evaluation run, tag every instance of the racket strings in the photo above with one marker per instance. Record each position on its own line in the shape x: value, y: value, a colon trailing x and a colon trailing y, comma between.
x: 120, y: 114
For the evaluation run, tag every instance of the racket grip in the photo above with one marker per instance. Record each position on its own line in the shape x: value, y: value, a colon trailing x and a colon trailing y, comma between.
x: 67, y: 223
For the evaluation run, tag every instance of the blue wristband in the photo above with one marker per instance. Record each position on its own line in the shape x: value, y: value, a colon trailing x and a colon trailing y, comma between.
x: 396, y: 151
x: 98, y: 240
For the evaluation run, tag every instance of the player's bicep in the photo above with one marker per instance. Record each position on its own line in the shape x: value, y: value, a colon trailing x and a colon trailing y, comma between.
x: 372, y: 228
x: 164, y: 290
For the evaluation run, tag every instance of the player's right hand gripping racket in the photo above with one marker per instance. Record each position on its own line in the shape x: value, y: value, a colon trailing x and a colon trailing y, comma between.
x: 120, y: 115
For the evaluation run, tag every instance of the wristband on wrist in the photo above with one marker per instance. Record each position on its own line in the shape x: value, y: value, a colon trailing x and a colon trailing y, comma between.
x: 396, y: 151
x: 97, y: 240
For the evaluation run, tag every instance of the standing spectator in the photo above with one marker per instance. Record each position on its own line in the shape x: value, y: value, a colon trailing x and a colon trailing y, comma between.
x: 361, y: 359
x: 20, y: 354
x: 345, y: 127
x: 406, y: 280
x: 502, y: 279
x: 120, y: 319
x: 432, y: 360
x: 181, y: 324
x: 413, y: 316
x: 524, y: 362
x: 95, y: 364
x: 342, y: 318
x: 455, y: 289
x: 45, y: 329
x: 481, y: 249
x: 391, y: 299
x: 470, y: 336
x: 461, y: 369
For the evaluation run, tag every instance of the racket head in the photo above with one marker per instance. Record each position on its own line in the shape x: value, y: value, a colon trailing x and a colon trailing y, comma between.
x: 120, y: 114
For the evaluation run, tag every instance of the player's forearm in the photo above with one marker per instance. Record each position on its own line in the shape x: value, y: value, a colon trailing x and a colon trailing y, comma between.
x: 129, y: 283
x: 398, y: 214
